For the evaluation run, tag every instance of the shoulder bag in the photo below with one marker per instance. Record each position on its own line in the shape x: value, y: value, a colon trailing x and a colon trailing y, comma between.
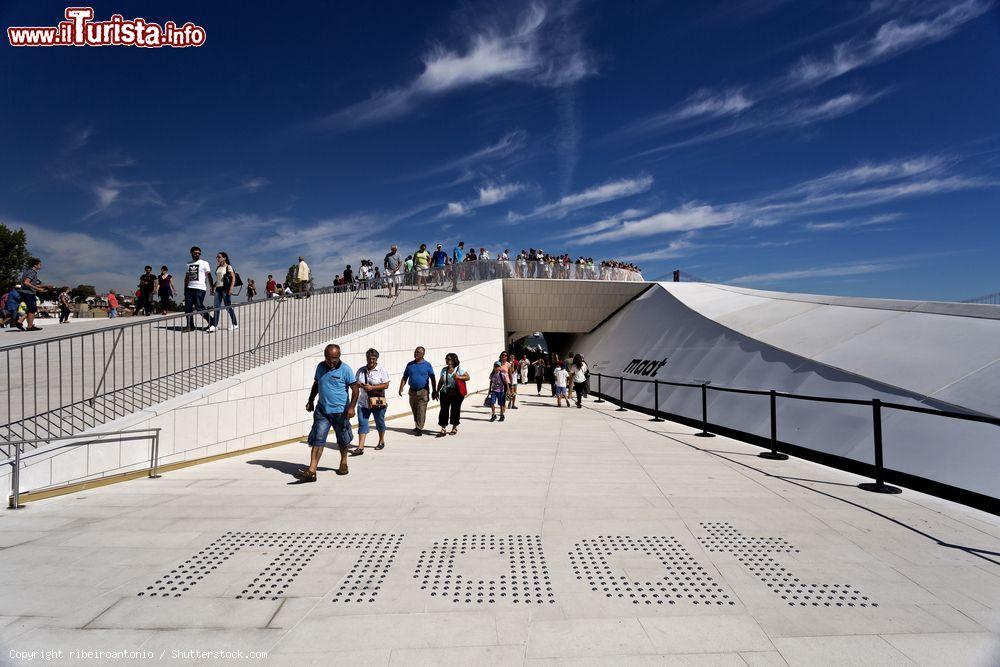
x: 376, y: 397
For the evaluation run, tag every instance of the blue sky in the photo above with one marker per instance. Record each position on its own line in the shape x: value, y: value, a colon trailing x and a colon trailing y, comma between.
x: 844, y: 148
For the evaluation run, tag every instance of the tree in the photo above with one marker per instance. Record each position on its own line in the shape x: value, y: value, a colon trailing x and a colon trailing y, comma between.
x: 13, y: 254
x: 81, y: 292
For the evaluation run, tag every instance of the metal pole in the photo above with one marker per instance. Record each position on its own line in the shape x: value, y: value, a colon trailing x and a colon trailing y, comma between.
x: 154, y: 456
x: 656, y: 402
x: 600, y: 396
x: 15, y: 480
x: 704, y: 414
x: 879, y: 486
x: 621, y: 394
x: 774, y: 454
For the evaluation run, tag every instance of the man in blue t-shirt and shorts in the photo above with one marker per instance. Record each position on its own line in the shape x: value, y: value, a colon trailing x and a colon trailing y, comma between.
x: 335, y: 409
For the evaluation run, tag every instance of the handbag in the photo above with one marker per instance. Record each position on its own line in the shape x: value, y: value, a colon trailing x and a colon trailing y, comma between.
x: 463, y: 389
x: 376, y: 397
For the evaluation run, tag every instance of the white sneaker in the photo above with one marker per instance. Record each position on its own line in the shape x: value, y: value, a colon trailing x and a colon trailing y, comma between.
x: 235, y: 327
x: 210, y: 330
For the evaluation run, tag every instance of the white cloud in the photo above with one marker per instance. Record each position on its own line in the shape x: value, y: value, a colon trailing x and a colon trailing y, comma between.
x: 815, y: 272
x: 676, y: 248
x: 598, y: 194
x: 525, y: 54
x: 487, y: 195
x: 891, y: 39
x: 684, y: 218
x: 838, y: 225
x: 793, y: 115
x: 507, y: 145
x: 114, y: 197
x: 703, y: 105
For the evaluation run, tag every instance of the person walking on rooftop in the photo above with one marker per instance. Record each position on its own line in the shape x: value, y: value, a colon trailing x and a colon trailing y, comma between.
x: 420, y: 376
x: 147, y: 285
x: 335, y: 385
x: 499, y: 382
x: 559, y: 378
x: 422, y: 262
x: 197, y: 280
x: 64, y: 301
x: 451, y: 393
x: 225, y: 278
x: 251, y: 290
x: 270, y: 287
x: 165, y: 289
x: 579, y: 373
x: 438, y: 260
x: 304, y: 276
x: 30, y: 286
x: 112, y: 304
x: 539, y: 367
x: 372, y: 380
x: 393, y: 265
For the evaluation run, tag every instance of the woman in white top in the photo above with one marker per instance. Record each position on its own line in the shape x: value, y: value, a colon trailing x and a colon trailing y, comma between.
x: 224, y: 279
x: 372, y: 380
x: 578, y: 373
x: 450, y: 394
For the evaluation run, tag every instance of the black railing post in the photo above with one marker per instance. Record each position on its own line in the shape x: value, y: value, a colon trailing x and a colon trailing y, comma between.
x: 621, y: 394
x: 879, y: 486
x: 774, y: 454
x: 704, y: 413
x: 656, y: 402
x: 600, y: 396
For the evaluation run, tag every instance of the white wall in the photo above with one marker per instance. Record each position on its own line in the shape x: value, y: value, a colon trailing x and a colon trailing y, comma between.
x: 699, y: 349
x: 266, y: 404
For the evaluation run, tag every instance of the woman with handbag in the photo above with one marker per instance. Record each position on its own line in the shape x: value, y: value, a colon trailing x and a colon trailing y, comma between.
x: 451, y: 392
x: 373, y: 380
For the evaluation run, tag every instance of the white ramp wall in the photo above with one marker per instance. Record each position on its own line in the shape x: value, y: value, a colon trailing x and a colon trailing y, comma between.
x: 266, y: 405
x: 678, y: 322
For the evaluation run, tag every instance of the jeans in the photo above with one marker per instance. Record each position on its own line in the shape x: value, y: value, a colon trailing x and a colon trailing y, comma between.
x: 418, y: 404
x: 451, y: 408
x: 323, y: 422
x: 112, y: 312
x: 365, y: 413
x: 194, y: 299
x: 580, y: 388
x: 63, y: 313
x: 221, y: 297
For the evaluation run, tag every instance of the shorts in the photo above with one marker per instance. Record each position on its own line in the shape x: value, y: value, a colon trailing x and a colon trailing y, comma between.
x: 497, y: 397
x: 364, y: 414
x: 560, y: 391
x: 30, y: 302
x: 397, y: 277
x: 322, y: 423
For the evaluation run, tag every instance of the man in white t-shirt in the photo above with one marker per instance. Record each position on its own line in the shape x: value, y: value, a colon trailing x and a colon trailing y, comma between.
x: 304, y: 276
x: 197, y: 281
x: 561, y: 375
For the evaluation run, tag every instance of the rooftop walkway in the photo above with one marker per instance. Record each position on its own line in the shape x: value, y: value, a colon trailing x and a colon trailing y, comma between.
x: 571, y: 535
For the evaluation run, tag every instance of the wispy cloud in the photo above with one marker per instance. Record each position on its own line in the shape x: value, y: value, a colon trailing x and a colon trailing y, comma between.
x: 115, y: 197
x: 705, y: 104
x: 487, y: 195
x: 816, y: 272
x: 506, y: 146
x: 797, y: 114
x: 524, y: 54
x: 862, y: 186
x: 855, y: 223
x: 680, y: 247
x: 891, y: 39
x: 598, y: 194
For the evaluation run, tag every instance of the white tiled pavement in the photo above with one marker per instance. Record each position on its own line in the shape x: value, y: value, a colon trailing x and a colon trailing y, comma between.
x: 582, y: 480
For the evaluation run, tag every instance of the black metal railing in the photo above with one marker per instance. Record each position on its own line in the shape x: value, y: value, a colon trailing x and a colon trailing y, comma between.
x: 773, y: 444
x: 63, y: 385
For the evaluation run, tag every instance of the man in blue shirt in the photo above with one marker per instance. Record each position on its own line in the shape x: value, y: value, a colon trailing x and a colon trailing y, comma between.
x: 457, y: 257
x: 423, y: 385
x: 438, y: 260
x: 334, y: 409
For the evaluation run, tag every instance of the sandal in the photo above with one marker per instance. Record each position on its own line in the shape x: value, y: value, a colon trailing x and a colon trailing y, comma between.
x: 358, y: 451
x: 342, y: 470
x: 441, y: 434
x: 380, y: 445
x: 306, y: 475
x: 453, y: 431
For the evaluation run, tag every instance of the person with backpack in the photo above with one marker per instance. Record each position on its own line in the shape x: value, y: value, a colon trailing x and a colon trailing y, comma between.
x: 225, y: 279
x: 451, y: 391
x: 499, y: 382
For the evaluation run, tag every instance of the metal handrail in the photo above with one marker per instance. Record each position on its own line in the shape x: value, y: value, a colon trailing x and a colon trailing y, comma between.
x: 69, y: 383
x: 876, y: 404
x: 153, y: 434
